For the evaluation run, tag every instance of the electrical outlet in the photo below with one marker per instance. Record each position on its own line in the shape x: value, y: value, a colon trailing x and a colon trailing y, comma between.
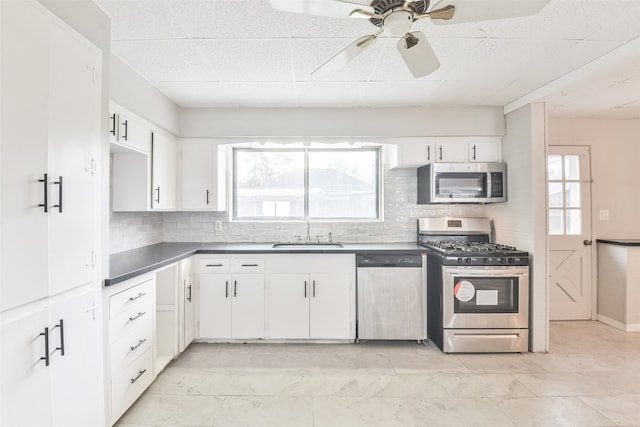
x: 218, y: 225
x: 604, y: 215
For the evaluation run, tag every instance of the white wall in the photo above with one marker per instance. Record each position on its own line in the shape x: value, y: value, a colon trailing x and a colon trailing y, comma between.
x: 310, y: 122
x: 615, y: 170
x: 522, y: 220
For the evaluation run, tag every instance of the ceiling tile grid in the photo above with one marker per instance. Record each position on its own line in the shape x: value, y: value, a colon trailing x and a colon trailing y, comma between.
x: 245, y: 53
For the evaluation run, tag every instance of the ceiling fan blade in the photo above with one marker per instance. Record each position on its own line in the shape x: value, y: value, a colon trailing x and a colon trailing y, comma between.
x: 483, y: 10
x: 346, y: 55
x: 331, y: 8
x: 418, y: 54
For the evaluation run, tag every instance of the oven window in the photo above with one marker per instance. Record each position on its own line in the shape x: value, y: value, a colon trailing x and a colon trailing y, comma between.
x: 485, y: 294
x: 469, y: 185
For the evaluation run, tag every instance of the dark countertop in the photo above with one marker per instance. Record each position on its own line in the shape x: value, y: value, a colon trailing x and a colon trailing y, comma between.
x: 620, y: 242
x: 128, y: 264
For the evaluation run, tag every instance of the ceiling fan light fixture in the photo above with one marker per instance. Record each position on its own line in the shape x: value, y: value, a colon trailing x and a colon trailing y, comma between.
x: 398, y: 22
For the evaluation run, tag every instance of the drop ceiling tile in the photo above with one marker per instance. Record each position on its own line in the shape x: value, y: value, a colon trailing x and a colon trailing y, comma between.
x: 262, y: 94
x: 621, y: 22
x: 249, y: 60
x: 320, y: 26
x: 166, y: 60
x: 130, y: 20
x: 330, y: 94
x: 240, y: 19
x: 196, y: 94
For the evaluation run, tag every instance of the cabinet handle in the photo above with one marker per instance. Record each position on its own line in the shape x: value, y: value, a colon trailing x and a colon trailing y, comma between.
x: 131, y: 319
x: 138, y: 345
x: 61, y: 348
x: 226, y: 289
x: 126, y: 130
x: 429, y: 152
x: 158, y: 198
x: 213, y: 265
x: 314, y: 288
x: 189, y: 297
x: 249, y: 265
x: 59, y: 184
x: 235, y: 289
x: 207, y: 196
x: 473, y: 149
x: 140, y: 373
x: 440, y: 149
x: 140, y: 295
x: 46, y: 346
x: 44, y: 205
x: 305, y: 288
x: 113, y: 124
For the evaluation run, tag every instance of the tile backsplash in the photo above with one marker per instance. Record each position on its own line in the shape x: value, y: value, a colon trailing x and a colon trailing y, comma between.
x: 132, y: 230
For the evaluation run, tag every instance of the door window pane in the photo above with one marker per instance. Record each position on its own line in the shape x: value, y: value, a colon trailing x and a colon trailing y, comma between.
x: 572, y: 194
x: 556, y: 221
x: 555, y: 195
x: 571, y: 167
x: 555, y: 167
x: 574, y: 222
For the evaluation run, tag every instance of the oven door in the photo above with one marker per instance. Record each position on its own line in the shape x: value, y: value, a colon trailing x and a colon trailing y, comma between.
x: 485, y: 297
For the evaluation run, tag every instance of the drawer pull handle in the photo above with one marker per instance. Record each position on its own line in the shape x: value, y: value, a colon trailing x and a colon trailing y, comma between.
x: 250, y: 265
x: 235, y: 289
x: 46, y: 346
x: 140, y: 373
x: 61, y: 326
x: 139, y: 344
x: 131, y: 319
x: 314, y: 288
x: 305, y: 288
x: 45, y: 205
x: 189, y: 297
x: 214, y: 265
x: 226, y: 289
x: 140, y: 295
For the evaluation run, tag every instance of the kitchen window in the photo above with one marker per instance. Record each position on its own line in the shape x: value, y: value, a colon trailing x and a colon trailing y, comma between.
x: 565, y: 209
x: 305, y: 183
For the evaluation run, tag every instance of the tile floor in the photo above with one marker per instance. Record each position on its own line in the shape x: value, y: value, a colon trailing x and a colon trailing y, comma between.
x: 591, y: 377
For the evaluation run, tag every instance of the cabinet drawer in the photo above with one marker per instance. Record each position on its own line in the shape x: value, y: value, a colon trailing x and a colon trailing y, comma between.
x: 214, y: 265
x: 249, y: 265
x: 128, y: 347
x: 128, y: 321
x: 127, y: 386
x: 139, y: 294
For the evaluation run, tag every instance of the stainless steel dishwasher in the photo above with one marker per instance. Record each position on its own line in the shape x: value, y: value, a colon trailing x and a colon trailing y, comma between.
x: 391, y: 297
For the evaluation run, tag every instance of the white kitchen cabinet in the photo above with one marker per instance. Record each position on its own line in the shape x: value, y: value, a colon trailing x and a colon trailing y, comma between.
x: 167, y: 315
x: 49, y: 362
x: 410, y: 155
x: 163, y: 172
x: 451, y: 152
x: 202, y: 176
x: 231, y: 301
x: 484, y: 152
x: 443, y: 150
x: 304, y: 302
x: 50, y: 135
x: 128, y: 130
x: 188, y: 298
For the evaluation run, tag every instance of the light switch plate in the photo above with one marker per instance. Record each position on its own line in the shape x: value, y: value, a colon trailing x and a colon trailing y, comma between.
x: 604, y: 215
x: 218, y: 225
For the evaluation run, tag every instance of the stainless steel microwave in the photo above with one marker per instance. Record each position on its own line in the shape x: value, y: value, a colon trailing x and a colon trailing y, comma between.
x: 462, y: 183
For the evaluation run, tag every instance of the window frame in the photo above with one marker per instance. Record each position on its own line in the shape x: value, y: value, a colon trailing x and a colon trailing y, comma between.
x: 306, y: 150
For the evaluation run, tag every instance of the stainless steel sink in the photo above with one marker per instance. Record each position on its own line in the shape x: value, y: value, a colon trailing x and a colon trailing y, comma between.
x: 307, y: 245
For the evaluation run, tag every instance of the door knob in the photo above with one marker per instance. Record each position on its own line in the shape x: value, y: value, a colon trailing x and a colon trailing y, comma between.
x: 587, y: 242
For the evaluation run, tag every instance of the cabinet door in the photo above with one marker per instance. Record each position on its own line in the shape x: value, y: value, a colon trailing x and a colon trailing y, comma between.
x: 24, y: 85
x: 197, y: 186
x: 215, y: 294
x: 415, y: 154
x: 134, y: 133
x: 25, y: 389
x: 75, y: 376
x: 484, y: 152
x: 247, y: 319
x: 453, y: 152
x: 74, y: 135
x: 163, y: 172
x: 330, y: 309
x: 289, y: 306
x: 189, y: 312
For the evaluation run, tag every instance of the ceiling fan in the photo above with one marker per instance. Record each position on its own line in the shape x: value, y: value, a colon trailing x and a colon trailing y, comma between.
x: 395, y: 18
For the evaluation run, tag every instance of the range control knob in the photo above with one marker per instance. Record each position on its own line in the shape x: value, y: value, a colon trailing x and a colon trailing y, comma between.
x: 460, y: 260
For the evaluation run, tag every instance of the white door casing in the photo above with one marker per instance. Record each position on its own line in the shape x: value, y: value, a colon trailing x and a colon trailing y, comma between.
x: 570, y: 249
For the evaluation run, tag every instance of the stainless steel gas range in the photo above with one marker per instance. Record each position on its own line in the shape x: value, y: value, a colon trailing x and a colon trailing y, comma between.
x: 477, y: 290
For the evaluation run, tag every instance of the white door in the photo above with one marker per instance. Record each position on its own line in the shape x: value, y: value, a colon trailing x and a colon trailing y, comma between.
x: 215, y: 295
x: 247, y: 312
x: 197, y: 176
x: 163, y: 172
x: 289, y: 306
x: 330, y: 307
x: 75, y: 376
x: 23, y: 153
x: 74, y: 135
x: 570, y: 250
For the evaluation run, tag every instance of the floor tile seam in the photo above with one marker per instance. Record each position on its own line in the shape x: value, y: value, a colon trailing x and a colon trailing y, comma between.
x: 596, y: 409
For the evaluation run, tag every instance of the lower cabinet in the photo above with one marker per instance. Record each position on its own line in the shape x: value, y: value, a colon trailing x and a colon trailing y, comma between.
x: 49, y: 362
x: 131, y: 310
x: 306, y: 303
x: 188, y: 298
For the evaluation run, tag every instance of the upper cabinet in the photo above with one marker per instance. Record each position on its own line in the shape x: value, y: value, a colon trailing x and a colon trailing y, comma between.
x: 163, y: 160
x: 443, y: 150
x: 128, y: 130
x: 203, y: 177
